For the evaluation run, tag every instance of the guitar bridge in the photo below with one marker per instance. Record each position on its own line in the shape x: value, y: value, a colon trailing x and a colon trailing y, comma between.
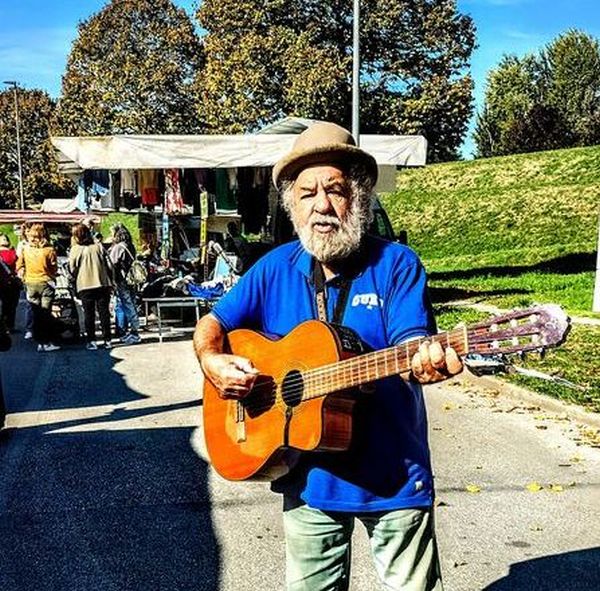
x: 240, y: 420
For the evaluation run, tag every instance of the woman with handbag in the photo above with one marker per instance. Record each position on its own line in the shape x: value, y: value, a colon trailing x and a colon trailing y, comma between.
x: 92, y: 271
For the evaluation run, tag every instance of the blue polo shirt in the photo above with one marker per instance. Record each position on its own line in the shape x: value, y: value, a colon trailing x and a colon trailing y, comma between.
x: 388, y: 465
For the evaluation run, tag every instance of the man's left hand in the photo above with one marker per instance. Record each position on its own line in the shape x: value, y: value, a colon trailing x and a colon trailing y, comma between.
x: 433, y: 364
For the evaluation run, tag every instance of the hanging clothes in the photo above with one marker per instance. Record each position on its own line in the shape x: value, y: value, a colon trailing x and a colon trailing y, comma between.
x: 128, y: 181
x: 253, y: 204
x: 173, y: 198
x: 100, y: 183
x: 129, y: 191
x: 81, y: 200
x: 149, y: 187
x: 190, y: 190
x: 115, y: 190
x: 226, y: 197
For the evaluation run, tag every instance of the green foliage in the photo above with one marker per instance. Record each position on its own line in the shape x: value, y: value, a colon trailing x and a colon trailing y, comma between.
x: 129, y: 220
x: 572, y: 63
x: 542, y: 102
x: 130, y: 72
x: 10, y: 232
x: 267, y: 59
x: 40, y: 172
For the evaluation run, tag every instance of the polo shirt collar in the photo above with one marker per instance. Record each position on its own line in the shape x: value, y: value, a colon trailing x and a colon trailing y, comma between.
x: 302, y: 260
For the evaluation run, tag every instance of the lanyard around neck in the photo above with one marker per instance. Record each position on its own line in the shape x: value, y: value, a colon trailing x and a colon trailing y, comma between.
x: 318, y: 277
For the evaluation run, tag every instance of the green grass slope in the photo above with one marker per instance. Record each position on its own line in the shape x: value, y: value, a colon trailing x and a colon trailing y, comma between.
x: 543, y: 202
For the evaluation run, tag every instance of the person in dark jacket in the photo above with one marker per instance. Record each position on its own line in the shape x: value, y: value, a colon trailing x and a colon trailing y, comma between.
x: 122, y: 254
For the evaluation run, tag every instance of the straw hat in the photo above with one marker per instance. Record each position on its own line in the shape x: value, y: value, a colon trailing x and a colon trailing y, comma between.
x: 323, y: 143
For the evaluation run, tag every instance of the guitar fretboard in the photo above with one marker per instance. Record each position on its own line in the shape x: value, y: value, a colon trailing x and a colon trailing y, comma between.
x: 370, y: 367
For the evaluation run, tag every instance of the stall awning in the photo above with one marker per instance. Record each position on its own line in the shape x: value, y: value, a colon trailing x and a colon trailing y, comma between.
x: 75, y: 154
x: 18, y: 216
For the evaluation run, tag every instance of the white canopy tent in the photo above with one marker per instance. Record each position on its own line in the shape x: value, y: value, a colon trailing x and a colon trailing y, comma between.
x: 76, y: 154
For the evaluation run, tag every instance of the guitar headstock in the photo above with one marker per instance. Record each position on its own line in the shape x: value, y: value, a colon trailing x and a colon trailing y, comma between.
x: 532, y: 329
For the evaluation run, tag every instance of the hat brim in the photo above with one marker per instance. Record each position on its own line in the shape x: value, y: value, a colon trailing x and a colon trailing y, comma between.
x: 291, y: 165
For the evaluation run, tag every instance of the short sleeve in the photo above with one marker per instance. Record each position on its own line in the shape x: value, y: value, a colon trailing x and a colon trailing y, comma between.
x: 241, y: 306
x: 408, y: 310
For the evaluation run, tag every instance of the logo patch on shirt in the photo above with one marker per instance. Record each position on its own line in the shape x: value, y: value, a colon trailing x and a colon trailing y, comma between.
x: 370, y: 300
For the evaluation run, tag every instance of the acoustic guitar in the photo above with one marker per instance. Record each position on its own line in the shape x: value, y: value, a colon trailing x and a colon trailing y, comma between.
x: 308, y: 384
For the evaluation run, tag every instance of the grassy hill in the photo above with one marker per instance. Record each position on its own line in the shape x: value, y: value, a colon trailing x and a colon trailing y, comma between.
x: 510, y: 232
x: 543, y: 202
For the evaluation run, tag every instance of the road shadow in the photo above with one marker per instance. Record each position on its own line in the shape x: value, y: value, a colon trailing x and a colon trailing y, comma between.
x: 571, y: 571
x: 566, y: 265
x: 111, y: 507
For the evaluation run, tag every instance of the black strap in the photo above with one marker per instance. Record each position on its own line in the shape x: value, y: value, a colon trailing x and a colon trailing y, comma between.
x: 318, y: 276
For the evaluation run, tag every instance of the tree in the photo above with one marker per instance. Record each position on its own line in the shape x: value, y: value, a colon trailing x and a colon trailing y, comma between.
x: 572, y: 63
x: 545, y: 101
x: 515, y: 93
x: 270, y: 58
x: 131, y: 71
x: 40, y: 172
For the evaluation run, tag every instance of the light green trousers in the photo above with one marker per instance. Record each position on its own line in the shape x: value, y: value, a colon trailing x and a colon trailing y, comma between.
x: 402, y: 543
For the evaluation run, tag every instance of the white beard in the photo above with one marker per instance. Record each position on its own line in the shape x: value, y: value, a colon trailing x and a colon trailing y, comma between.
x: 336, y: 244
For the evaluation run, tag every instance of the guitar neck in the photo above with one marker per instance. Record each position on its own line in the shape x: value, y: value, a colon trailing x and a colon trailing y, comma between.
x: 370, y: 367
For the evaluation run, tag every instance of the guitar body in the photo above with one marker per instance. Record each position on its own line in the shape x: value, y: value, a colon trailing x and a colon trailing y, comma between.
x: 262, y: 436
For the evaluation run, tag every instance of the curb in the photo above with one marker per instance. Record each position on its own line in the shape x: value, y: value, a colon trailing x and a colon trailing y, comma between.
x: 520, y: 394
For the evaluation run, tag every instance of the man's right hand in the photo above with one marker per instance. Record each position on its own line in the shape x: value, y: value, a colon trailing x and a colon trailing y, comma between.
x: 233, y: 376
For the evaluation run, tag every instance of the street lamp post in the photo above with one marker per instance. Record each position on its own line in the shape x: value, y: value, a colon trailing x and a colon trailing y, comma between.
x: 14, y: 86
x: 356, y: 71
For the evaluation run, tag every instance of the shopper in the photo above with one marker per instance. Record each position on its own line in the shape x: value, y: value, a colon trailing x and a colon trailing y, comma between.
x: 92, y: 272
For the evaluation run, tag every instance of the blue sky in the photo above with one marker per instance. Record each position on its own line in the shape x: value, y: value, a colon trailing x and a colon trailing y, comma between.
x: 36, y: 35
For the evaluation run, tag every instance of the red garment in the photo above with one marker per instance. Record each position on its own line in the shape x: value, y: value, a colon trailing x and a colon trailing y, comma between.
x: 173, y: 199
x: 9, y: 256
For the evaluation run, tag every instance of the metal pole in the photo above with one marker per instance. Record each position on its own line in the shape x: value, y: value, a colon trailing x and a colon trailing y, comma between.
x: 21, y: 193
x: 356, y: 72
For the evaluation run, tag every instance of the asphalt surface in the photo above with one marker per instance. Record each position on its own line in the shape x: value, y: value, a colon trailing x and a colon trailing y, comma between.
x: 104, y: 484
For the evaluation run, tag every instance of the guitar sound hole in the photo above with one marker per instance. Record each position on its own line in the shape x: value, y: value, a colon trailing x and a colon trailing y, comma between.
x: 292, y: 388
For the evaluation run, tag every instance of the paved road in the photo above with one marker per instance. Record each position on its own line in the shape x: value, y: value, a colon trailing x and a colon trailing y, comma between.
x: 104, y: 485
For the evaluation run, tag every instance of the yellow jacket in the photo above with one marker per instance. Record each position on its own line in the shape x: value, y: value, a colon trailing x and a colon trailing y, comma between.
x: 37, y: 264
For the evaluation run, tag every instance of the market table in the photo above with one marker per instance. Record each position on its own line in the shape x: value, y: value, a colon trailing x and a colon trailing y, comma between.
x: 201, y: 306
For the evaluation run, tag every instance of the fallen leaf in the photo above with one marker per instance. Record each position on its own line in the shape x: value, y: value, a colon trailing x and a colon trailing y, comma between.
x: 534, y: 487
x: 473, y: 488
x: 556, y: 488
x: 536, y: 528
x: 449, y: 406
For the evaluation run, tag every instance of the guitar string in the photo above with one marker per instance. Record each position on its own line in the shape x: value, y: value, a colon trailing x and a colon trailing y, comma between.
x: 348, y: 365
x: 451, y: 338
x: 295, y: 387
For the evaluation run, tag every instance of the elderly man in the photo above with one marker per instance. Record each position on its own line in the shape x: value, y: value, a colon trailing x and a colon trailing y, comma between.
x: 336, y: 272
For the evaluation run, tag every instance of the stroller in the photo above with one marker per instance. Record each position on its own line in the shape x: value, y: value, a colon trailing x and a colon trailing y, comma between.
x: 64, y: 308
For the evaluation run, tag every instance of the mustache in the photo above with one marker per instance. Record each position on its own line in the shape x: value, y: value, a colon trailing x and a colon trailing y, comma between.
x: 319, y: 218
